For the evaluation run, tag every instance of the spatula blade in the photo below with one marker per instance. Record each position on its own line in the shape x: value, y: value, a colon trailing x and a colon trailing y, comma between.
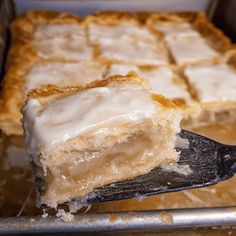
x: 198, y: 166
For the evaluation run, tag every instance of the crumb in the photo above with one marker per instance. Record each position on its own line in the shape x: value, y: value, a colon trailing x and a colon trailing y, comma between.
x: 45, y: 214
x: 166, y: 218
x: 65, y: 216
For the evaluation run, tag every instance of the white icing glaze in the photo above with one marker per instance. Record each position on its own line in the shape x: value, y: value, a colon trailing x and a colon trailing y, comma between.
x: 98, y: 33
x: 91, y: 111
x: 63, y: 74
x: 160, y: 80
x: 55, y: 30
x: 173, y: 29
x: 133, y: 52
x: 190, y: 49
x: 68, y: 48
x: 180, y: 169
x: 213, y: 82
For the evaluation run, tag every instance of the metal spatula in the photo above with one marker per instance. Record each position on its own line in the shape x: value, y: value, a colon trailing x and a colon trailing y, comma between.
x: 202, y: 162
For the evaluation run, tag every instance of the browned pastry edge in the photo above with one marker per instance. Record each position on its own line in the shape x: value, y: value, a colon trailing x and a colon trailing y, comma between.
x: 132, y: 77
x: 161, y: 17
x: 215, y: 37
x: 111, y: 18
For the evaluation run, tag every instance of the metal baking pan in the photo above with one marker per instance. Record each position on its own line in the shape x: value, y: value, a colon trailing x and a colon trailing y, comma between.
x: 150, y: 215
x: 166, y: 220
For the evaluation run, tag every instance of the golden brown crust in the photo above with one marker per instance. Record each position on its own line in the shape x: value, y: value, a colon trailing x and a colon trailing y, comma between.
x: 111, y: 18
x: 215, y: 37
x: 47, y: 90
x: 132, y: 77
x: 20, y: 60
x: 13, y: 92
x: 175, y: 17
x: 20, y: 51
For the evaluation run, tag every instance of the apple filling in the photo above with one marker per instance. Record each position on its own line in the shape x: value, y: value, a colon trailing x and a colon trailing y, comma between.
x: 73, y: 173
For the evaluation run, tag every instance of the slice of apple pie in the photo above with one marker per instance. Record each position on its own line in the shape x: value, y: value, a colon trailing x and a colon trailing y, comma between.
x: 82, y: 138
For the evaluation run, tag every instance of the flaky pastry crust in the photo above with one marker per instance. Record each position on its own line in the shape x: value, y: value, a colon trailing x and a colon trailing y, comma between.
x: 132, y: 77
x: 22, y: 54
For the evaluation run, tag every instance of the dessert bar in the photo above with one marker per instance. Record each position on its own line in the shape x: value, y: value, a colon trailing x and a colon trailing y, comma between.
x: 82, y: 138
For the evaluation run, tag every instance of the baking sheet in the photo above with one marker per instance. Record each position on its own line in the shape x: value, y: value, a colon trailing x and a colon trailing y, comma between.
x: 168, y: 220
